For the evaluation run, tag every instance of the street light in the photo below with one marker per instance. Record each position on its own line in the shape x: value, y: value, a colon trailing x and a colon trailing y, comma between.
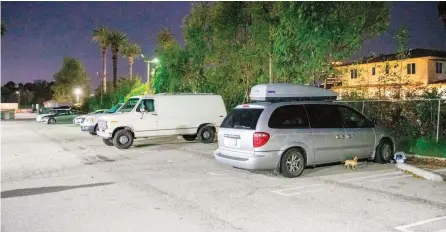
x: 18, y: 98
x: 149, y: 79
x: 77, y: 92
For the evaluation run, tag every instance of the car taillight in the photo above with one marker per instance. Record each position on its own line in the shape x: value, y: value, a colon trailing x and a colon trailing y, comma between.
x: 259, y: 139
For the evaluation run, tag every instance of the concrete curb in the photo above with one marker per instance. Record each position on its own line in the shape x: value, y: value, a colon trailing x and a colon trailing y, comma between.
x: 419, y: 172
x: 424, y: 157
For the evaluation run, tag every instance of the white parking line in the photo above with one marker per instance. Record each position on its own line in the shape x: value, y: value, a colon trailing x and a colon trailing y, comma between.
x: 308, y: 191
x: 307, y: 186
x: 404, y: 228
x: 388, y: 178
x: 365, y: 177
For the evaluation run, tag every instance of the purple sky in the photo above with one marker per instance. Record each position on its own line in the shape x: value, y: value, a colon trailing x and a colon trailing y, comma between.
x: 40, y: 34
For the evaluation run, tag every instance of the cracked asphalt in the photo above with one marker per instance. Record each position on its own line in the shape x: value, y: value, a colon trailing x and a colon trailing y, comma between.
x: 57, y: 178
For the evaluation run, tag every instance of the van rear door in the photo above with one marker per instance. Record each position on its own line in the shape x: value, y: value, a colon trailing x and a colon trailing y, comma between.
x: 237, y: 129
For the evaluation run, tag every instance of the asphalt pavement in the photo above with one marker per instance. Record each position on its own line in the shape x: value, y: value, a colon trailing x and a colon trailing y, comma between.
x: 57, y: 178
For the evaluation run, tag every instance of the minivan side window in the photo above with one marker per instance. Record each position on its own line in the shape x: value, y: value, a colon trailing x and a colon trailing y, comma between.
x: 323, y: 116
x: 289, y: 117
x: 242, y: 119
x: 353, y: 119
x: 147, y: 104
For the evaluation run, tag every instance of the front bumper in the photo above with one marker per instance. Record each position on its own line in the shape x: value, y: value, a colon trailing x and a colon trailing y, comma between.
x: 104, y: 134
x: 254, y: 161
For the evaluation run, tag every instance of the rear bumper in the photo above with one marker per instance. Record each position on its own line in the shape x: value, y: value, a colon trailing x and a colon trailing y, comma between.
x: 255, y: 161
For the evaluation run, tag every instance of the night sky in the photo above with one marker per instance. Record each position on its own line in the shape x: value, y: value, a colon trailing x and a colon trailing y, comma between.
x: 40, y: 34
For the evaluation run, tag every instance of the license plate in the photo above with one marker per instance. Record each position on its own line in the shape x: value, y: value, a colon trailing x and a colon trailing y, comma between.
x: 230, y: 142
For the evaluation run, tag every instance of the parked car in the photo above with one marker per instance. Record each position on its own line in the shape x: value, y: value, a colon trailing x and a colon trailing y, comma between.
x: 90, y: 123
x: 79, y: 119
x: 43, y: 116
x: 61, y: 117
x: 189, y: 115
x: 290, y: 127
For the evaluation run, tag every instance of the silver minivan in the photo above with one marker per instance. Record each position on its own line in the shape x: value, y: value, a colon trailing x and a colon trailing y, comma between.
x: 291, y: 134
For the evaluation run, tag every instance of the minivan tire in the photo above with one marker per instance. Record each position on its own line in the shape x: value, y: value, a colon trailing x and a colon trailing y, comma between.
x: 51, y: 121
x: 95, y: 130
x: 292, y: 163
x: 206, y: 134
x: 383, y: 152
x: 107, y: 142
x: 189, y: 137
x: 123, y: 139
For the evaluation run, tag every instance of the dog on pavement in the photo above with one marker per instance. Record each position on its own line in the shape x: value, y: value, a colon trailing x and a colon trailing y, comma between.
x: 351, y: 163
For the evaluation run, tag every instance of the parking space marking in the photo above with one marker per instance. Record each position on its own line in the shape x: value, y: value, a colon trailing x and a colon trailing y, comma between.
x: 365, y: 177
x: 388, y: 178
x: 297, y: 193
x: 405, y: 227
x: 217, y: 173
x: 290, y: 192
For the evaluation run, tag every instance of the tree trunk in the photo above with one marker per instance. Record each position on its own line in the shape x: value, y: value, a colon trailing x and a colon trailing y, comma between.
x: 104, y: 70
x: 131, y: 67
x: 115, y: 69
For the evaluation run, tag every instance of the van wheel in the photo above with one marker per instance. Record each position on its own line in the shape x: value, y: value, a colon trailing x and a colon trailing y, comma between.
x: 123, y: 139
x: 383, y: 152
x: 292, y: 163
x: 189, y: 137
x: 51, y: 121
x: 206, y: 134
x: 94, y: 132
x: 107, y: 142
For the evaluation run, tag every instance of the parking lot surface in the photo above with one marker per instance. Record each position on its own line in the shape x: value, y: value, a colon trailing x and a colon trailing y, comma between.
x: 57, y: 178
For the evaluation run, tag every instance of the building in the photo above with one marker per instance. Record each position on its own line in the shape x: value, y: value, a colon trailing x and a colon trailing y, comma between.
x: 392, y: 75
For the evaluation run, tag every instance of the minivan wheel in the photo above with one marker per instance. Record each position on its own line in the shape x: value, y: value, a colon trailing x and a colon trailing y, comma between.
x: 51, y: 121
x: 108, y: 142
x: 206, y: 134
x: 123, y: 139
x: 383, y: 152
x: 95, y: 130
x: 189, y: 137
x: 292, y: 163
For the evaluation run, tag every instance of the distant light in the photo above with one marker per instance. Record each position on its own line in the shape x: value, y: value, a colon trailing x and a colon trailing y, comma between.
x: 78, y: 91
x: 142, y: 55
x: 17, y: 92
x: 155, y: 60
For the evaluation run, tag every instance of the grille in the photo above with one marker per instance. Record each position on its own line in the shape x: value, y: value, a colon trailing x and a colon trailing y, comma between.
x: 102, y: 124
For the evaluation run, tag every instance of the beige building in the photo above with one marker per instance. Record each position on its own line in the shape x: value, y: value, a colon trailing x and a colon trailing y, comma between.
x: 390, y: 76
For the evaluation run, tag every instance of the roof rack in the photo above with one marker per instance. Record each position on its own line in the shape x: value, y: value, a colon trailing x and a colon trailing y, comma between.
x: 290, y: 92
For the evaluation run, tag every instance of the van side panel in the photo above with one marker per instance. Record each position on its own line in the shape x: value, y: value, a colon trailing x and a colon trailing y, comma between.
x: 183, y: 114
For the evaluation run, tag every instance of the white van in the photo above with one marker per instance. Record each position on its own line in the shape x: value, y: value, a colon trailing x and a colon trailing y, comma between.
x: 189, y: 115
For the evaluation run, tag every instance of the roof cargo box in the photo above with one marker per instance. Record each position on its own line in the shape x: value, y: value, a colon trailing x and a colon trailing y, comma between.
x: 290, y: 92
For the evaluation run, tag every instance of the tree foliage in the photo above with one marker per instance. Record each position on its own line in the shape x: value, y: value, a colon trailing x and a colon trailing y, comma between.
x: 131, y: 51
x: 72, y: 75
x: 116, y: 40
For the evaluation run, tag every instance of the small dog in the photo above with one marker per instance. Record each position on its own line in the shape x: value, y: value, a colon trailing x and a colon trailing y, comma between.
x: 351, y: 163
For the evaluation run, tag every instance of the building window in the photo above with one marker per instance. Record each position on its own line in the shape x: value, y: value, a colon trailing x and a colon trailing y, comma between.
x: 387, y: 69
x: 411, y: 68
x: 373, y: 71
x: 353, y: 73
x: 439, y: 67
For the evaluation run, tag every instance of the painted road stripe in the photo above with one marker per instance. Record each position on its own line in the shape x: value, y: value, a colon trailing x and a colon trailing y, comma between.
x: 404, y: 228
x: 388, y: 178
x: 308, y: 191
x: 365, y: 177
x: 284, y: 190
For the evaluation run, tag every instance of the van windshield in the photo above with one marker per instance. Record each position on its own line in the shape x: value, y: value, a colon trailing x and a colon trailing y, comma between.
x: 242, y: 119
x: 113, y: 109
x: 129, y: 105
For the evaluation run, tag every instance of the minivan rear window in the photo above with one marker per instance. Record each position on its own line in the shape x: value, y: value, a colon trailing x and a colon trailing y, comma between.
x: 242, y: 119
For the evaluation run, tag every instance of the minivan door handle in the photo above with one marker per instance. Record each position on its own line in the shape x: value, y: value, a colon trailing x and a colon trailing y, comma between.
x: 339, y: 136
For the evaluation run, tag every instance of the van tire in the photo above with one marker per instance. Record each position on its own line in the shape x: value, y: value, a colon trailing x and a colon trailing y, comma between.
x: 189, y: 137
x: 123, y: 139
x: 291, y: 157
x: 206, y: 134
x: 107, y: 142
x: 52, y: 121
x: 384, y: 152
x: 95, y: 130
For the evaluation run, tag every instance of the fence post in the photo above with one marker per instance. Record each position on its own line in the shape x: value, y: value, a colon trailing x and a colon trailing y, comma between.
x: 438, y: 120
x: 362, y: 111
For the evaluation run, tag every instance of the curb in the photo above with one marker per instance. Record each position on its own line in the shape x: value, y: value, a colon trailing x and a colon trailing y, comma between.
x: 424, y: 157
x: 419, y: 172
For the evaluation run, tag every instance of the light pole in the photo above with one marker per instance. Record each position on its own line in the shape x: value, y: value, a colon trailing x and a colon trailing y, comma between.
x: 18, y: 98
x: 149, y: 79
x: 100, y: 87
x: 78, y: 92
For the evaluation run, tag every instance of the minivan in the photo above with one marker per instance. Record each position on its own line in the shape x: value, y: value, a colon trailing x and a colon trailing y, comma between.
x: 291, y: 127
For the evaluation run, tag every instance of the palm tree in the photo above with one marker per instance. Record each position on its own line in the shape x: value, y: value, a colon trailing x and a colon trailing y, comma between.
x: 131, y: 51
x: 101, y: 37
x: 116, y: 39
x: 165, y: 38
x: 3, y: 29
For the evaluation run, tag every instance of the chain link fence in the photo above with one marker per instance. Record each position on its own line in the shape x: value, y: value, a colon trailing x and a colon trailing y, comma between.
x: 417, y: 125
